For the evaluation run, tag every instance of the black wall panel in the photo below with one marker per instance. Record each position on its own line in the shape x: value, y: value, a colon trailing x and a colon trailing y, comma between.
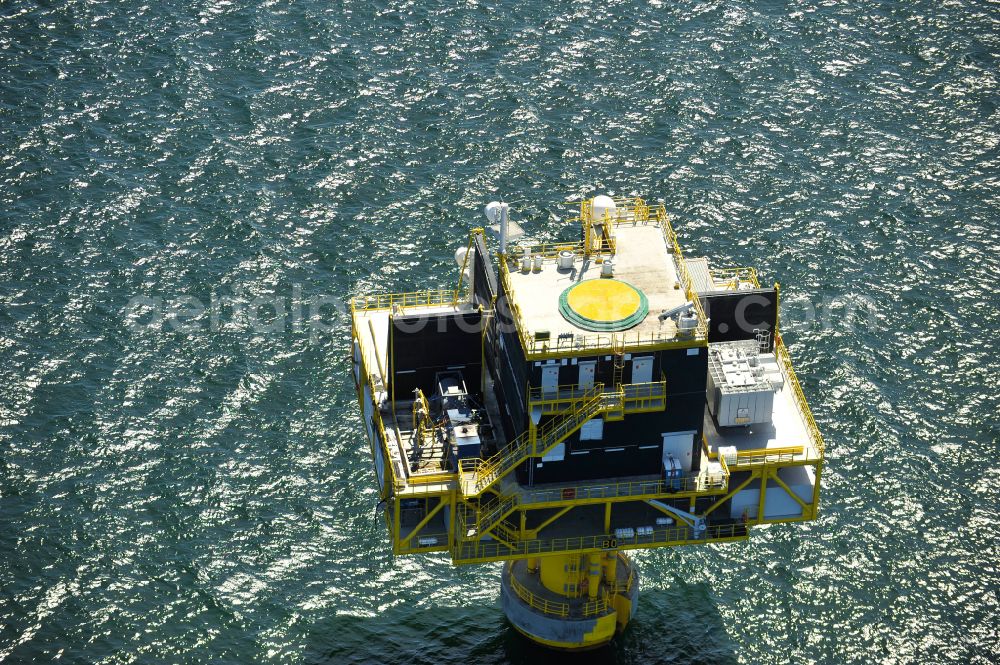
x: 511, y: 367
x: 685, y: 373
x: 422, y: 346
x: 599, y: 464
x: 735, y: 314
x: 484, y: 295
x: 484, y: 278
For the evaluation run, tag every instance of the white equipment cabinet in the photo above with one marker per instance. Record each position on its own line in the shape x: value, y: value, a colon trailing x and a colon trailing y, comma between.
x: 740, y: 392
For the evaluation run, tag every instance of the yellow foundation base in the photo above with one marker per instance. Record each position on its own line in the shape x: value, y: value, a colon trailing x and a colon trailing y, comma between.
x: 570, y: 603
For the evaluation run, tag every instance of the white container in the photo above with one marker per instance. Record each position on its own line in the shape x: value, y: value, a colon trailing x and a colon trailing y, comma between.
x: 687, y: 321
x: 607, y: 268
x: 566, y: 260
x: 537, y: 263
x: 736, y: 394
x: 729, y: 454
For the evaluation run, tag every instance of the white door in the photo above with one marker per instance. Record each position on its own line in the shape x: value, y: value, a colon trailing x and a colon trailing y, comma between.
x: 550, y: 378
x: 678, y: 445
x: 642, y: 369
x: 592, y: 430
x: 587, y: 374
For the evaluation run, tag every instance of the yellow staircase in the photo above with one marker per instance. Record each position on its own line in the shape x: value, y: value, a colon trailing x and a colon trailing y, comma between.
x: 479, y: 476
x: 472, y: 523
x: 477, y: 516
x: 491, y: 514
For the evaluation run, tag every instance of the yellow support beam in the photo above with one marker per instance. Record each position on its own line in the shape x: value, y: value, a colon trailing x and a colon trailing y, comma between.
x: 731, y: 494
x: 378, y: 361
x: 502, y: 541
x: 420, y: 525
x: 764, y: 475
x: 451, y: 510
x: 533, y: 533
x: 781, y: 483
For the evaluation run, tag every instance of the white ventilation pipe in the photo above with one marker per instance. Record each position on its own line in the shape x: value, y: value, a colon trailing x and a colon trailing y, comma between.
x: 504, y: 220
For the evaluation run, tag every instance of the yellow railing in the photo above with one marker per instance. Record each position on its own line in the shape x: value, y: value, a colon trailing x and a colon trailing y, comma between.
x: 627, y: 210
x: 543, y: 605
x: 480, y: 551
x: 512, y: 305
x: 383, y: 301
x: 731, y: 278
x: 551, y: 250
x: 379, y: 425
x: 489, y: 514
x: 492, y: 469
x: 636, y: 397
x: 631, y: 210
x: 785, y: 361
x: 502, y: 530
x: 670, y: 237
x: 486, y: 517
x: 427, y: 485
x: 765, y: 456
x: 599, y: 344
x: 560, y: 398
x: 639, y: 397
x: 596, y: 607
x: 552, y: 432
x: 626, y: 489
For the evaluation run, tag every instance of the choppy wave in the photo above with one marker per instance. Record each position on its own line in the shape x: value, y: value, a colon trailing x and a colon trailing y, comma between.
x: 205, y: 495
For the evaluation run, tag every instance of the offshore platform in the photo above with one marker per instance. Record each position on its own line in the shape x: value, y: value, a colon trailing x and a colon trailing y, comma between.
x: 569, y: 402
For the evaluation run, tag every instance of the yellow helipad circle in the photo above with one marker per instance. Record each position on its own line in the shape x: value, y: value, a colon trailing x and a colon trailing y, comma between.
x: 604, y: 300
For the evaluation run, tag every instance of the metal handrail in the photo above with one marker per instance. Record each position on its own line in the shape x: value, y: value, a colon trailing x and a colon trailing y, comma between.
x: 625, y: 489
x: 594, y: 607
x: 489, y: 470
x: 408, y: 490
x: 564, y: 394
x: 468, y: 552
x: 553, y: 249
x: 385, y: 301
x: 785, y: 361
x: 541, y: 604
x: 670, y: 237
x: 735, y: 276
x: 597, y: 606
x: 378, y: 424
x: 643, y: 394
x: 749, y: 462
x: 761, y: 456
x: 492, y: 514
x: 631, y: 210
x: 488, y: 515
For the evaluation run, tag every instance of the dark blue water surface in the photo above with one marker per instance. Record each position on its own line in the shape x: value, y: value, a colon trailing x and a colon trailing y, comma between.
x: 198, y: 489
